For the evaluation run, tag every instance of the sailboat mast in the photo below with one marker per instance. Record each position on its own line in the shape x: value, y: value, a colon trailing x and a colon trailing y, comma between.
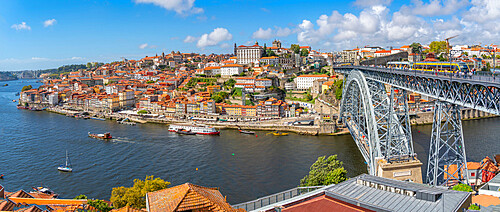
x: 66, y: 158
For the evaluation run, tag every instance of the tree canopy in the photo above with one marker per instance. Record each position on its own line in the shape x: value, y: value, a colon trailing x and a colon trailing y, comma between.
x: 295, y: 48
x: 325, y: 171
x: 462, y: 187
x: 304, y: 52
x: 416, y: 48
x: 438, y: 47
x: 135, y: 196
x: 26, y: 87
x: 230, y: 83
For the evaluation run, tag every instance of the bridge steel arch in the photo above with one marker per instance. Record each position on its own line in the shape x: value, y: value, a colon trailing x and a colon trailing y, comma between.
x: 377, y: 126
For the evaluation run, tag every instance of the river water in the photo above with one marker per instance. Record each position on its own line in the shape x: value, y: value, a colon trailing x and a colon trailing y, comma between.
x: 244, y: 167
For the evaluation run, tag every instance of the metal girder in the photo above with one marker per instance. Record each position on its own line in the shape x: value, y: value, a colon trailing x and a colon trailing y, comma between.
x: 447, y: 163
x: 376, y: 122
x: 472, y: 93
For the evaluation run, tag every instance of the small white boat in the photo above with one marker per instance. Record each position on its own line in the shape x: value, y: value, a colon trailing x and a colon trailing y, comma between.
x: 67, y: 167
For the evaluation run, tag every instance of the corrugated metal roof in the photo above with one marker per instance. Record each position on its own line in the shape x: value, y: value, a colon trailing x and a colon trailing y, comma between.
x: 355, y: 193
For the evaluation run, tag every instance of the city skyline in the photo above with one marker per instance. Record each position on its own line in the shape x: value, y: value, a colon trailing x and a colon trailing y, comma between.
x: 39, y: 35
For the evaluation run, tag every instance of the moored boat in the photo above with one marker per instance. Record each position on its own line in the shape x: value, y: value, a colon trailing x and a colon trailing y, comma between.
x: 198, y: 129
x: 21, y: 107
x: 277, y: 133
x: 247, y: 132
x: 96, y: 118
x: 43, y: 192
x: 104, y: 136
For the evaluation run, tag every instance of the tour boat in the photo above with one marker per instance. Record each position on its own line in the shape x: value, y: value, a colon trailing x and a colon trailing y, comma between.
x: 96, y: 118
x: 21, y: 107
x: 104, y: 136
x: 198, y: 129
x: 67, y: 167
x: 185, y: 132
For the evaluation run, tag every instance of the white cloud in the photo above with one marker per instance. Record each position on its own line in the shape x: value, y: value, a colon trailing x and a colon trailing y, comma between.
x: 49, y: 22
x: 263, y: 34
x: 182, y: 7
x: 21, y: 26
x: 190, y: 39
x: 483, y: 11
x: 437, y: 7
x: 214, y: 38
x: 269, y: 33
x: 143, y: 46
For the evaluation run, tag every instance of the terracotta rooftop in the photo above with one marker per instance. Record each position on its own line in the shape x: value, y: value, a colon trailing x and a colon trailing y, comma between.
x: 323, y: 203
x: 187, y: 197
x: 485, y: 200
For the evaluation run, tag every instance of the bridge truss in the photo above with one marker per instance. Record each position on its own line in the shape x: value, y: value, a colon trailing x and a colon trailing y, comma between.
x: 379, y: 121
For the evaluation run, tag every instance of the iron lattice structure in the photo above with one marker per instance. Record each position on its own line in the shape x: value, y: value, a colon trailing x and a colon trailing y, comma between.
x: 476, y: 92
x: 447, y: 163
x: 375, y: 119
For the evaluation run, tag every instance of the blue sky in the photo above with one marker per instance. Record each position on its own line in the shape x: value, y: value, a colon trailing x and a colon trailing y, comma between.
x: 44, y: 34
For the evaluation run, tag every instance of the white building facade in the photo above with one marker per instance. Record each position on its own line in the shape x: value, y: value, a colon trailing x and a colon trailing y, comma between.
x: 306, y: 81
x: 249, y: 54
x: 231, y: 69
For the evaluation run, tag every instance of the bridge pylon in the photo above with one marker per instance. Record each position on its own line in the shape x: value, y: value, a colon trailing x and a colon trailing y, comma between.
x: 447, y: 164
x: 379, y: 124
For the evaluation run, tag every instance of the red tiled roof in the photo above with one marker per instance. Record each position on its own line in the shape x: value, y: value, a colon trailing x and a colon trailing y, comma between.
x: 187, y: 197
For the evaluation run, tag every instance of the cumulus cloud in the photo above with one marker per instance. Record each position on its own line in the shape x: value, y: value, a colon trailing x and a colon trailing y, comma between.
x: 49, y: 22
x: 263, y: 34
x: 214, y: 38
x: 483, y: 11
x: 21, y: 26
x: 143, y: 46
x: 182, y: 7
x: 269, y: 33
x: 437, y: 7
x: 190, y: 39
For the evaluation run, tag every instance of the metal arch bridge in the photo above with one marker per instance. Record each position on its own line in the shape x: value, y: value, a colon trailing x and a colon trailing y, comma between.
x: 379, y: 121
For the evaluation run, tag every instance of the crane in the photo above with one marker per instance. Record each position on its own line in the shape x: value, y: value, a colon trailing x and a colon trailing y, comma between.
x: 448, y: 43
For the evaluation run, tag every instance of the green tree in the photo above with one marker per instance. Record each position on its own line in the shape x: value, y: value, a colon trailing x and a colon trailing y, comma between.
x: 26, y: 87
x: 100, y: 205
x: 295, y: 48
x: 325, y: 171
x: 438, y: 47
x: 304, y: 52
x: 416, y: 48
x: 81, y: 196
x: 474, y: 207
x: 142, y: 112
x: 338, y: 89
x: 270, y: 53
x: 217, y: 98
x: 230, y: 83
x: 462, y: 187
x: 135, y: 196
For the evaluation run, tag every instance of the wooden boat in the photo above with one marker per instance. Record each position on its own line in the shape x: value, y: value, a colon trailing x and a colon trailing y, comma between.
x: 104, y: 136
x: 21, y: 107
x: 247, y: 132
x: 67, y: 167
x: 185, y: 132
x: 43, y: 192
x: 13, y: 100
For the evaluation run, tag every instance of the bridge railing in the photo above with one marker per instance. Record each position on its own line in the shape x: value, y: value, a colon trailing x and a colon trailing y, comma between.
x: 479, y: 77
x: 274, y: 198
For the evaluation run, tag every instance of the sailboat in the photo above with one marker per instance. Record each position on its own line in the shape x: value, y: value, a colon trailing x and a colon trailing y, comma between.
x: 67, y: 167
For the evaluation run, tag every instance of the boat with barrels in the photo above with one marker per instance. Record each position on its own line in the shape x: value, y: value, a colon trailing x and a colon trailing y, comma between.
x: 104, y: 136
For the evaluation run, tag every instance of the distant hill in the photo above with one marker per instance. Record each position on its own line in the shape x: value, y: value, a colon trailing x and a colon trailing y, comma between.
x: 7, y: 76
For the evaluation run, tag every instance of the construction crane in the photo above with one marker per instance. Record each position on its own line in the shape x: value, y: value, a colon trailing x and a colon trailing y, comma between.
x: 448, y: 43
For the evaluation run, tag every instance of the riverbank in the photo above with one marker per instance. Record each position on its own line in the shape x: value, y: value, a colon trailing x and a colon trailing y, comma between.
x: 269, y: 125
